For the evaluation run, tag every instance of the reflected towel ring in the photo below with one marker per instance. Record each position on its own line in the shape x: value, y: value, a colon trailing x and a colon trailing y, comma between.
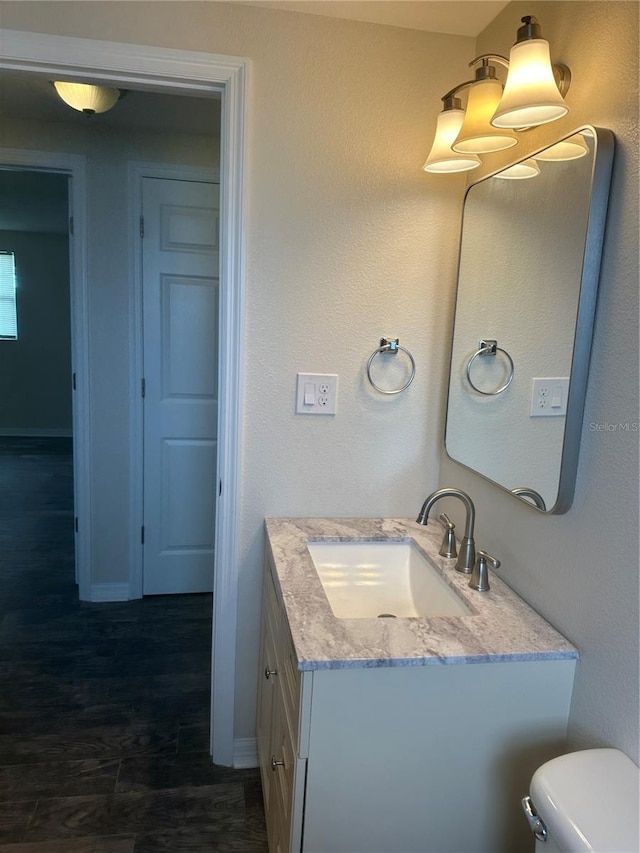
x: 391, y: 345
x: 489, y: 347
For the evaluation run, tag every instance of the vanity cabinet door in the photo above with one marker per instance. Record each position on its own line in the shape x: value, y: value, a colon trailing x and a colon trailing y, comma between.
x: 267, y: 688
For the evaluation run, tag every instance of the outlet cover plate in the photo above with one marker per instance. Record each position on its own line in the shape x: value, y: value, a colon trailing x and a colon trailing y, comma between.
x: 316, y: 393
x: 549, y: 396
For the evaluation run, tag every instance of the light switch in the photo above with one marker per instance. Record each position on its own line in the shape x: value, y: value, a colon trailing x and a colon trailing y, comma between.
x: 309, y: 393
x: 316, y: 393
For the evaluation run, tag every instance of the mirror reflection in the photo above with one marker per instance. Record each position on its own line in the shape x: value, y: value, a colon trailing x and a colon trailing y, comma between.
x: 523, y: 284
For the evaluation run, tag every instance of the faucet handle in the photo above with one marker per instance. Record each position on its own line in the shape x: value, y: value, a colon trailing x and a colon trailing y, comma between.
x: 480, y: 575
x: 448, y: 547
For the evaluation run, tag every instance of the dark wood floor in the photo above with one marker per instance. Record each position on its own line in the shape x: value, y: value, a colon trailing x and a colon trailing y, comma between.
x: 103, y: 707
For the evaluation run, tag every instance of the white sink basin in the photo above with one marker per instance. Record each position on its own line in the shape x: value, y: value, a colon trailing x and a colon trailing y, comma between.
x: 364, y: 580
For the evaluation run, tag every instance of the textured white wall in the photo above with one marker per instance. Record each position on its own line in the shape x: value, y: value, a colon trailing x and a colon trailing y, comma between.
x: 580, y: 570
x: 347, y: 240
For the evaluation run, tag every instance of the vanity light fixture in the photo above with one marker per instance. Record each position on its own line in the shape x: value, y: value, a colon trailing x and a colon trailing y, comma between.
x: 87, y: 98
x: 520, y: 171
x: 442, y: 158
x: 533, y: 95
x: 477, y: 136
x: 567, y: 149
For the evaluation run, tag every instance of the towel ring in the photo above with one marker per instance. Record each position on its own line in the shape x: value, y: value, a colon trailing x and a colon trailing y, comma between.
x: 489, y: 347
x: 391, y: 345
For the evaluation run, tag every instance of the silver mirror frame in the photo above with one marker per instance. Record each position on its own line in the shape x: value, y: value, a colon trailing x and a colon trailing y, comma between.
x: 585, y: 318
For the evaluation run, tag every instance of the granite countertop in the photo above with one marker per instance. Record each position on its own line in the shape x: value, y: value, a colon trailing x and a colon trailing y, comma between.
x: 501, y: 626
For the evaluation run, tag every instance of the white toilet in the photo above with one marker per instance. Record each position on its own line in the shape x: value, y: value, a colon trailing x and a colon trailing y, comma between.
x: 586, y: 802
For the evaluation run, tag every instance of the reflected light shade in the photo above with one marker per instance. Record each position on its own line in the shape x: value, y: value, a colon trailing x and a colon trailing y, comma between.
x: 531, y: 96
x: 567, y: 149
x: 520, y: 171
x: 441, y: 158
x: 87, y: 98
x: 476, y: 134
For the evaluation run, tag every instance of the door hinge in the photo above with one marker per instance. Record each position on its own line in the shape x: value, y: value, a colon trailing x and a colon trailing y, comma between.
x: 74, y: 381
x: 141, y: 225
x: 142, y: 535
x: 75, y: 523
x: 143, y: 385
x: 71, y: 225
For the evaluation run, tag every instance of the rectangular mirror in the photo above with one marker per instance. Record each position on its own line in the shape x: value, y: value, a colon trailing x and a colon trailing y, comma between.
x: 527, y: 286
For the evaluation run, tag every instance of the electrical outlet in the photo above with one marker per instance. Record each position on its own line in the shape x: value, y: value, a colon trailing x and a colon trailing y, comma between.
x: 549, y: 396
x: 316, y: 393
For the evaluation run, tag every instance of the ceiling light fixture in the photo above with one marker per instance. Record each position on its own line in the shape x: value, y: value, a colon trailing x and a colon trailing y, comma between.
x: 533, y: 95
x: 87, y: 98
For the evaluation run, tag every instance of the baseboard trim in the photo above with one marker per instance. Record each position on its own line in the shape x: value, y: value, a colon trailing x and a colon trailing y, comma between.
x: 109, y: 592
x: 27, y: 432
x: 245, y: 753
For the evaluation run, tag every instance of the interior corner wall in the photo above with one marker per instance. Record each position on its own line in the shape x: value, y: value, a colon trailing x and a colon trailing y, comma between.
x: 347, y: 241
x: 35, y: 371
x: 580, y: 570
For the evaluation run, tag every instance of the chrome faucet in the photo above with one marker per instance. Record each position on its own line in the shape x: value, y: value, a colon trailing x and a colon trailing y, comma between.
x: 467, y: 556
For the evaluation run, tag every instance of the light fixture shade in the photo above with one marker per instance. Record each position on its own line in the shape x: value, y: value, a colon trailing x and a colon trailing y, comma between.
x: 476, y: 134
x: 531, y: 96
x: 567, y: 149
x: 520, y: 171
x: 87, y: 98
x: 441, y: 158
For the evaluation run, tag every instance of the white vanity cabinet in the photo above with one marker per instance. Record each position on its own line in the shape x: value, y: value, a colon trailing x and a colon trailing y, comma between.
x: 409, y: 754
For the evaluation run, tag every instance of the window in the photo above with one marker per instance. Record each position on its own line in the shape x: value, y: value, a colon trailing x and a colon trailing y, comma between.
x: 8, y: 314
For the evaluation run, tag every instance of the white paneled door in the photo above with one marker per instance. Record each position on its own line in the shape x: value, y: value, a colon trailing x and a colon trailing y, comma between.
x: 180, y: 260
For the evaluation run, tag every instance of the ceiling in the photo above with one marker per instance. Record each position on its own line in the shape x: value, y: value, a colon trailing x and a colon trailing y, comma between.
x: 31, y: 96
x: 456, y: 17
x: 26, y: 95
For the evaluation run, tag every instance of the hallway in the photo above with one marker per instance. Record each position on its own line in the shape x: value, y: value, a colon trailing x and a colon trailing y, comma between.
x: 103, y: 707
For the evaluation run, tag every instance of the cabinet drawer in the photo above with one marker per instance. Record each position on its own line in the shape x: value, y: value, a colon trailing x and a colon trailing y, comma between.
x: 271, y: 613
x: 289, y: 678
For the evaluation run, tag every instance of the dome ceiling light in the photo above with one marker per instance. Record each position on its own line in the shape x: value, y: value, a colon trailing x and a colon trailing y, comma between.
x: 87, y: 98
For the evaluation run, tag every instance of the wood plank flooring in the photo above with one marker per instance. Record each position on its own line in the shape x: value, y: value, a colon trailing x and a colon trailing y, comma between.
x: 103, y: 707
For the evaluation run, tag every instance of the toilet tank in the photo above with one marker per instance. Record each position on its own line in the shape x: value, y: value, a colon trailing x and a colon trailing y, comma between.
x: 589, y: 802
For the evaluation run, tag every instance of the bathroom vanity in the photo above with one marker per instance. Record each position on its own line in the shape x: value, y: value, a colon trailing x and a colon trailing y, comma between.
x: 393, y: 735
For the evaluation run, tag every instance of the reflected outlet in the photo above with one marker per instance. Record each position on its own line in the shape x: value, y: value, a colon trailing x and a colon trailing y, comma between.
x: 549, y: 396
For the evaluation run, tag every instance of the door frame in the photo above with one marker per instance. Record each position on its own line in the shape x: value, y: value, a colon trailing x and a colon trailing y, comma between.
x: 173, y: 71
x: 136, y: 171
x: 74, y: 167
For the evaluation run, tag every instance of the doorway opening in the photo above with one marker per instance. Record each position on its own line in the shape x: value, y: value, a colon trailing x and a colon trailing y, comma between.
x: 128, y: 66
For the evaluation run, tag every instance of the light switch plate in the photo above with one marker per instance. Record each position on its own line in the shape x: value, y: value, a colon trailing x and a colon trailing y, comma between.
x: 316, y: 393
x: 549, y: 396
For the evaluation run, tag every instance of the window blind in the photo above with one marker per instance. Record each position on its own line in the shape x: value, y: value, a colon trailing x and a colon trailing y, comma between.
x: 8, y: 313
